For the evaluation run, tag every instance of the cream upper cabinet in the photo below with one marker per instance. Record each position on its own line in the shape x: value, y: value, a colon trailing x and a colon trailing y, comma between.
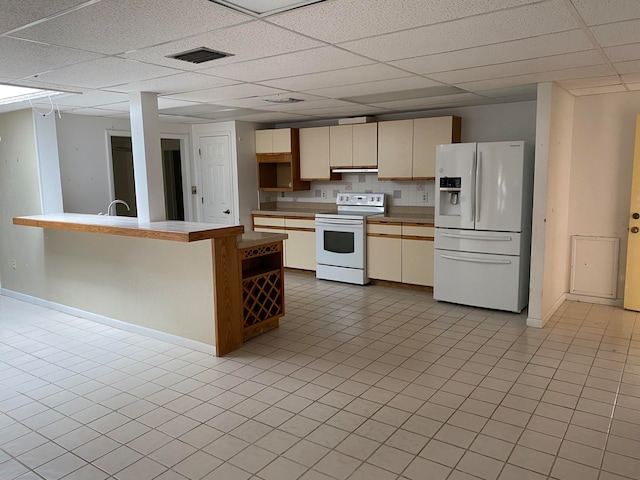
x: 365, y: 145
x: 395, y: 150
x: 341, y: 145
x: 407, y: 148
x: 276, y: 140
x: 314, y: 153
x: 427, y: 133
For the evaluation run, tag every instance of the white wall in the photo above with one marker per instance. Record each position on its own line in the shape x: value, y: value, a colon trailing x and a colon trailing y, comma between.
x: 601, y: 169
x: 84, y: 159
x: 167, y: 286
x: 550, y: 243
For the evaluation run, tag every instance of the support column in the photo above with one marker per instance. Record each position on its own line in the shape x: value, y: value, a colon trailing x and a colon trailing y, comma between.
x: 147, y: 156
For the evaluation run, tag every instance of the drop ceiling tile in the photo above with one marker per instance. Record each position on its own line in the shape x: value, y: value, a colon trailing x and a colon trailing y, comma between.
x: 180, y: 82
x: 633, y: 86
x: 272, y: 117
x: 96, y: 112
x: 525, y: 90
x: 589, y: 82
x: 91, y: 98
x: 578, y: 92
x: 371, y: 88
x: 117, y: 107
x: 523, y: 67
x: 334, y: 78
x: 180, y: 119
x: 20, y: 58
x: 231, y: 92
x: 165, y: 102
x: 343, y: 112
x: 631, y: 78
x: 290, y: 64
x: 104, y: 72
x: 374, y: 18
x: 31, y: 11
x: 622, y: 53
x: 596, y: 12
x: 248, y: 41
x: 256, y: 102
x: 632, y: 66
x: 118, y: 26
x: 619, y: 33
x: 429, y: 102
x: 295, y: 107
x: 555, y: 76
x: 528, y: 48
x: 528, y: 21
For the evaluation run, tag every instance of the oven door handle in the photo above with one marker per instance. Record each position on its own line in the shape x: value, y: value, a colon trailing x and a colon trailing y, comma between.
x: 338, y: 222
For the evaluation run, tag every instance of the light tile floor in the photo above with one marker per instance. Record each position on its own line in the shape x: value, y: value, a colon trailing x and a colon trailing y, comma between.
x: 358, y: 383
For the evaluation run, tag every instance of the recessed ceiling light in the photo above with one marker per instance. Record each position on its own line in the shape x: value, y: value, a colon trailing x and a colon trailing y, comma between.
x: 264, y: 8
x: 14, y: 94
x: 284, y: 100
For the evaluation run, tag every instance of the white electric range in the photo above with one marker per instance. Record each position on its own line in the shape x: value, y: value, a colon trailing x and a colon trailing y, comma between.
x: 341, y: 237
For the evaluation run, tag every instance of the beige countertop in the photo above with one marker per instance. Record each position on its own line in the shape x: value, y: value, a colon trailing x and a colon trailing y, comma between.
x: 256, y: 239
x: 176, y: 231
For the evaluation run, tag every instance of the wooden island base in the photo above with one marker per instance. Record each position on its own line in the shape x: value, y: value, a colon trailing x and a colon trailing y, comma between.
x: 248, y: 279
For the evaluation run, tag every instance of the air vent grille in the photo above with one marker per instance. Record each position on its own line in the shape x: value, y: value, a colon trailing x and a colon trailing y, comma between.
x: 200, y: 55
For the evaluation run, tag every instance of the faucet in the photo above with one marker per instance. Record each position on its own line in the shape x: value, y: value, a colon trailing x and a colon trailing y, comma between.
x: 108, y: 214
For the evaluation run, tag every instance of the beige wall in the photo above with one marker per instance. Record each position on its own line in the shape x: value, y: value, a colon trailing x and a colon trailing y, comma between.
x: 167, y: 286
x: 601, y: 168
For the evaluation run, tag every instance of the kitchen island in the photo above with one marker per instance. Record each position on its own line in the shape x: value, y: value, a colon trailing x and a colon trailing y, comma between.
x: 133, y: 272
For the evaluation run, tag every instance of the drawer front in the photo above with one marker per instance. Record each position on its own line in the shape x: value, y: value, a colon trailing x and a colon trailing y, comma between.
x: 504, y: 243
x: 268, y: 221
x: 417, y: 231
x: 384, y: 229
x: 307, y: 224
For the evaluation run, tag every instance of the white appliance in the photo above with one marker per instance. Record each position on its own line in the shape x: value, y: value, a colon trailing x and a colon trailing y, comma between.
x: 341, y: 238
x: 484, y: 197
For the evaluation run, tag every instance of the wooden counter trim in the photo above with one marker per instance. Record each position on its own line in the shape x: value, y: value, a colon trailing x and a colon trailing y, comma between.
x: 414, y: 224
x: 152, y: 230
x: 268, y: 227
x: 383, y: 222
x: 415, y: 237
x: 384, y: 235
x: 300, y: 229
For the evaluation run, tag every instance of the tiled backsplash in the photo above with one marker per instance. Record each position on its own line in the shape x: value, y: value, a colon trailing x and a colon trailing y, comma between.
x: 404, y: 193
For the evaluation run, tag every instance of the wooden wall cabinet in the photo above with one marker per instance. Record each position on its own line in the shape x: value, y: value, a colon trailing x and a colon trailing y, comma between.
x: 354, y: 146
x: 278, y: 160
x: 407, y: 148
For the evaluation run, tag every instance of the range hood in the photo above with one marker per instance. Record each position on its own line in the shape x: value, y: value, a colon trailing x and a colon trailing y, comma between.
x: 354, y: 170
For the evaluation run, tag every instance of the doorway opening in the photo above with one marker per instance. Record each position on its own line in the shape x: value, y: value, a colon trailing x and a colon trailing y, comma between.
x: 124, y: 187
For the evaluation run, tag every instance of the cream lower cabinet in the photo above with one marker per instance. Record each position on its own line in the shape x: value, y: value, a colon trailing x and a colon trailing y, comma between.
x: 417, y: 254
x: 384, y: 251
x: 300, y: 247
x: 301, y: 244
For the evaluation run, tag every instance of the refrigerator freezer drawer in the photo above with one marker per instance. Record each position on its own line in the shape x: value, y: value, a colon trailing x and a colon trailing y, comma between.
x: 480, y: 280
x: 502, y: 243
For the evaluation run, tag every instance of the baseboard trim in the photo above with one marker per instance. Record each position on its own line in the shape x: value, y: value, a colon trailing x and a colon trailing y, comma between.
x: 112, y: 322
x: 541, y: 322
x: 613, y: 302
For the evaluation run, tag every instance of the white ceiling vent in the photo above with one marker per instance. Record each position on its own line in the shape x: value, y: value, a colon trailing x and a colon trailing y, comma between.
x: 200, y: 55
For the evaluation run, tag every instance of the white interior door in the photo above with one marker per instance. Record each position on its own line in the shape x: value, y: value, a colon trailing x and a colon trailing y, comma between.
x: 217, y: 182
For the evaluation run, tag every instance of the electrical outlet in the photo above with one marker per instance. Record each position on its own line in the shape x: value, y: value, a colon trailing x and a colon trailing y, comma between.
x: 424, y: 197
x: 13, y: 264
x: 324, y: 194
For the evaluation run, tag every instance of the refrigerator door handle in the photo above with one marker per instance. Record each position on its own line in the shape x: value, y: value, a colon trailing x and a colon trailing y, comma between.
x: 472, y: 174
x: 476, y: 260
x: 505, y: 238
x: 478, y: 192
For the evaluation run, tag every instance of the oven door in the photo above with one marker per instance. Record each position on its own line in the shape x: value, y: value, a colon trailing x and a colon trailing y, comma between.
x: 340, y: 242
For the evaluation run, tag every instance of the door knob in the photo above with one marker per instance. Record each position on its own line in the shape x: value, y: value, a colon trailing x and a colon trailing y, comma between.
x: 634, y: 229
x: 227, y: 211
x: 636, y: 215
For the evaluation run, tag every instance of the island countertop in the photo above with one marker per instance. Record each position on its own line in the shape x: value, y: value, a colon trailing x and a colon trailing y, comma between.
x: 177, y: 231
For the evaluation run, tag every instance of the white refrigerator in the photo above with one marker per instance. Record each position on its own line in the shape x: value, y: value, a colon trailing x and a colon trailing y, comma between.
x: 484, y: 197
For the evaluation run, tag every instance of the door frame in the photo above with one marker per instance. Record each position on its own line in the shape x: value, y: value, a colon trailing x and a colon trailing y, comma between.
x: 185, y: 166
x: 226, y: 129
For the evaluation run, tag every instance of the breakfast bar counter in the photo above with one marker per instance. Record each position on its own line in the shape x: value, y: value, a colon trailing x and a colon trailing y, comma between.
x: 239, y: 264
